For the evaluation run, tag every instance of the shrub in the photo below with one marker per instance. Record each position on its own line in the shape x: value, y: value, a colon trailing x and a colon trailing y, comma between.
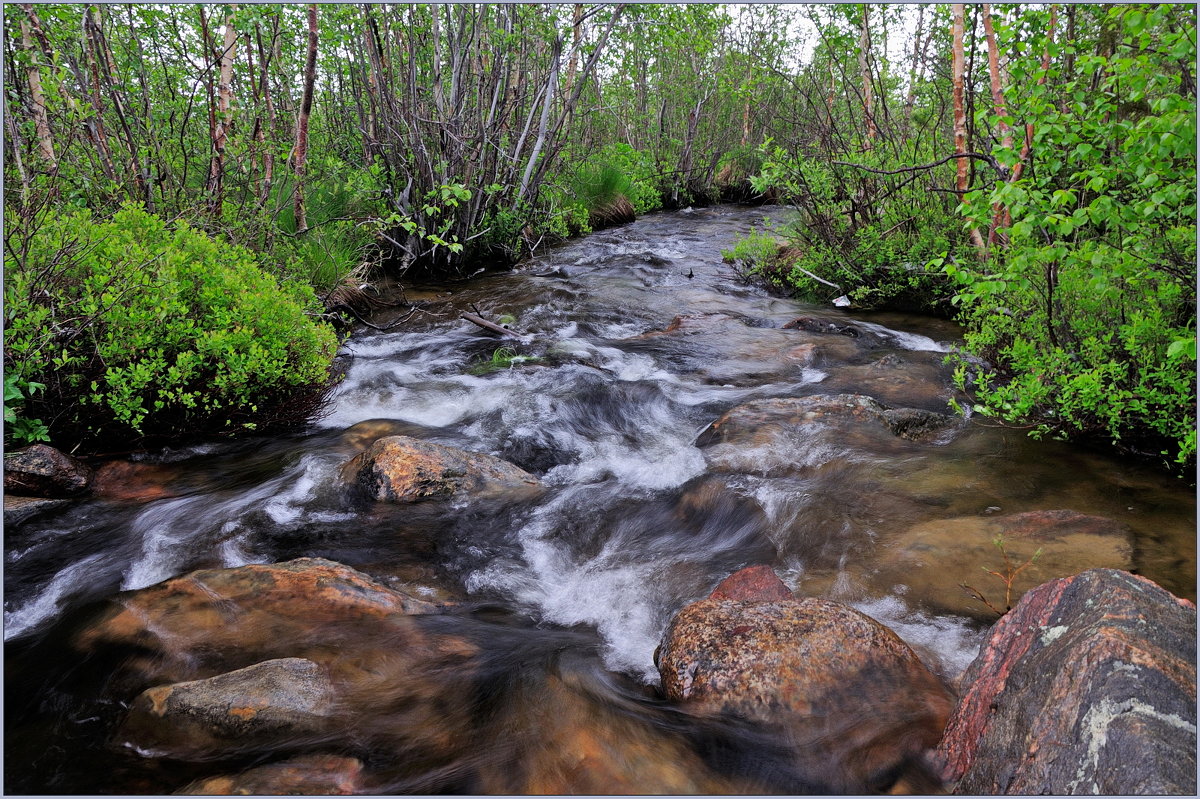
x: 134, y: 327
x: 603, y: 189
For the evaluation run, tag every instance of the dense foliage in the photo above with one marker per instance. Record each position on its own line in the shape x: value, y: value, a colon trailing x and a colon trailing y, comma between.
x: 129, y: 328
x: 1028, y: 168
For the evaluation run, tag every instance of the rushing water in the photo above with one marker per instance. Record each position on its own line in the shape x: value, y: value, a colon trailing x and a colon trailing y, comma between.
x: 604, y: 402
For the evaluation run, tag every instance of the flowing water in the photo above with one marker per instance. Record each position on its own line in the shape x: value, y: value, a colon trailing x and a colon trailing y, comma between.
x: 631, y: 343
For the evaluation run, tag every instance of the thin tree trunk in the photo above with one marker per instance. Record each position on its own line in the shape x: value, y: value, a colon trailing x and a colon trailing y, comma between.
x: 222, y: 119
x: 14, y: 141
x: 910, y: 98
x: 960, y: 115
x: 264, y: 60
x: 95, y: 123
x: 576, y: 36
x: 1000, y: 216
x: 37, y: 100
x: 301, y: 155
x: 95, y: 31
x: 864, y: 68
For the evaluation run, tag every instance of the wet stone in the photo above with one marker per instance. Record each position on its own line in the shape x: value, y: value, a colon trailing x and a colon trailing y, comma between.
x: 1088, y: 686
x: 757, y: 583
x: 310, y: 775
x: 288, y: 701
x: 855, y: 702
x: 401, y: 469
x: 42, y: 471
x: 20, y: 509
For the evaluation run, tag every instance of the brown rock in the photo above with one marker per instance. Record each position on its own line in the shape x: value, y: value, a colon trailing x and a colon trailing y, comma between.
x: 558, y: 739
x: 311, y: 775
x: 1088, y: 686
x: 214, y: 620
x: 774, y: 436
x: 42, y: 471
x: 127, y: 481
x: 268, y: 705
x: 404, y: 469
x: 854, y: 701
x: 933, y: 559
x: 753, y: 583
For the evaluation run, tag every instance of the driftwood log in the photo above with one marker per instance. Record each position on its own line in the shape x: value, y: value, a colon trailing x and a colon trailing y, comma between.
x: 490, y: 326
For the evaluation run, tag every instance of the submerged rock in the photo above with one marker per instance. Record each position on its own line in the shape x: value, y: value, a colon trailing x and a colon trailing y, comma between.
x: 19, y: 509
x: 310, y: 775
x: 42, y: 471
x: 128, y: 481
x: 757, y: 583
x: 1088, y: 686
x: 265, y: 706
x: 559, y: 739
x: 214, y: 620
x: 932, y: 560
x: 776, y: 435
x: 849, y: 696
x: 403, y: 469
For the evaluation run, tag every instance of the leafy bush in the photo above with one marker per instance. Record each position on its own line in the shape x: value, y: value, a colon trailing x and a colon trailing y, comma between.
x: 136, y: 327
x: 1089, y: 313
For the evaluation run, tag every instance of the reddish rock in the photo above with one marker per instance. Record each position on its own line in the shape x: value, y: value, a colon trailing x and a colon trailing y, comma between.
x: 311, y: 775
x: 42, y: 471
x: 934, y: 559
x: 403, y: 469
x: 1088, y: 686
x: 691, y: 323
x: 127, y: 481
x: 854, y: 701
x: 268, y: 705
x: 753, y: 583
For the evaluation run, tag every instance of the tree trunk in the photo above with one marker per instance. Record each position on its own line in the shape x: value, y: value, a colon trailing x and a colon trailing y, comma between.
x: 223, y: 121
x: 864, y: 68
x: 1000, y: 216
x: 301, y: 155
x: 910, y: 99
x: 958, y: 64
x: 37, y: 100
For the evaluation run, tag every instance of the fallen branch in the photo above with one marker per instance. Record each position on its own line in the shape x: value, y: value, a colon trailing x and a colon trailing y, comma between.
x: 491, y: 326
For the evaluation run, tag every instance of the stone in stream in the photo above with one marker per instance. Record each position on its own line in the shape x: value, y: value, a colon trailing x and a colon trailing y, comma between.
x: 214, y: 620
x: 774, y: 436
x: 403, y: 469
x: 556, y: 737
x: 854, y: 702
x: 933, y: 560
x: 19, y: 509
x: 1088, y: 686
x: 757, y: 583
x: 273, y: 704
x: 43, y: 471
x: 397, y: 683
x: 309, y: 775
x: 129, y: 481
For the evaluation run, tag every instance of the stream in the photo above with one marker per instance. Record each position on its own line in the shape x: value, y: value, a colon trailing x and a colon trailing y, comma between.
x: 631, y: 343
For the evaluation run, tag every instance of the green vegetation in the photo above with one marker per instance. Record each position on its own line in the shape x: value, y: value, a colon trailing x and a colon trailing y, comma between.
x: 129, y: 326
x: 1030, y: 171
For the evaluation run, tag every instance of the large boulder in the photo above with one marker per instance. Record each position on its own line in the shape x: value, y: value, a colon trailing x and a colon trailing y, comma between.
x: 1088, y: 686
x: 131, y: 481
x: 43, y: 471
x: 934, y: 560
x: 268, y: 705
x: 404, y: 469
x: 856, y: 704
x: 309, y: 775
x: 778, y: 435
x: 214, y: 620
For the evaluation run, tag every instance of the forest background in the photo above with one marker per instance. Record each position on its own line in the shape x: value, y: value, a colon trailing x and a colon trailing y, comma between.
x: 196, y: 196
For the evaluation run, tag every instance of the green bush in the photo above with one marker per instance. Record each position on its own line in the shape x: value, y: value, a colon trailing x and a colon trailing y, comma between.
x: 1089, y: 312
x: 136, y: 327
